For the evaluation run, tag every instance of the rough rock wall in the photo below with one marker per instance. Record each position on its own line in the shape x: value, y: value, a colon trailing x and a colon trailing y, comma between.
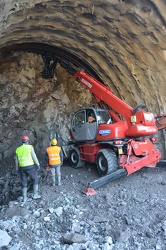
x: 35, y: 106
x: 124, y: 41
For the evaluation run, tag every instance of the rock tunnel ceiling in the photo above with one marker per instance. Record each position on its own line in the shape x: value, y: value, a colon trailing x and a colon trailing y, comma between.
x: 51, y: 56
x: 121, y: 43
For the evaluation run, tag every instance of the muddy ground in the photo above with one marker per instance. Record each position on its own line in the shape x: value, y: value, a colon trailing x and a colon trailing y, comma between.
x: 127, y: 214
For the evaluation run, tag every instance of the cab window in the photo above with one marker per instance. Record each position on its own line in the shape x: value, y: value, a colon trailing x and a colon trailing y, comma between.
x: 79, y: 118
x: 102, y: 116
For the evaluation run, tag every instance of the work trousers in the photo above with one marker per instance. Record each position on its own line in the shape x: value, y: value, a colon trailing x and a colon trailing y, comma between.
x: 55, y: 168
x: 28, y: 171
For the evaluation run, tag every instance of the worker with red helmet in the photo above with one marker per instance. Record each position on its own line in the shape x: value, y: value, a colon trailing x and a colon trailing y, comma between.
x: 54, y: 158
x: 25, y: 160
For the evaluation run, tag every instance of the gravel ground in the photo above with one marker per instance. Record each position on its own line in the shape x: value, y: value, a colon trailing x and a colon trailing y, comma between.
x: 126, y: 214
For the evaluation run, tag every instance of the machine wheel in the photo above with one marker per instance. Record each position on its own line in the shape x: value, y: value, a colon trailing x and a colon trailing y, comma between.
x: 107, y: 162
x: 75, y: 159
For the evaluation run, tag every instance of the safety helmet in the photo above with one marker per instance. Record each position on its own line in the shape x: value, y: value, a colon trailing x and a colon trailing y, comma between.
x: 53, y: 142
x: 25, y: 138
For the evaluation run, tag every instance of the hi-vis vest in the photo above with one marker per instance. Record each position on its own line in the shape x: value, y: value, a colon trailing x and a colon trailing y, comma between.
x: 54, y: 155
x: 24, y: 155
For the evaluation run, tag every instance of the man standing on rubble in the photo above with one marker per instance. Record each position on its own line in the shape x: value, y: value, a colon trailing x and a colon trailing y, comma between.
x: 54, y: 159
x: 25, y: 160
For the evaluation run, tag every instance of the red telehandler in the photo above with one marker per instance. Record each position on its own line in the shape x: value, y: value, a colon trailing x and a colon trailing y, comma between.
x: 119, y: 139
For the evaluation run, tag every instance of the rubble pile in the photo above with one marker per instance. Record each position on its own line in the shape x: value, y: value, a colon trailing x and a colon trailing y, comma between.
x: 126, y: 214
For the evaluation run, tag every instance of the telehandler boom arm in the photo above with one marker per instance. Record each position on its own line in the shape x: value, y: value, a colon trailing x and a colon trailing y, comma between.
x: 103, y: 93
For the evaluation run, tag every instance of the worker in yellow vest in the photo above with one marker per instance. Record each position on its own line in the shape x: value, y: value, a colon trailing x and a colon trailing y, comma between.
x: 25, y: 160
x: 54, y: 159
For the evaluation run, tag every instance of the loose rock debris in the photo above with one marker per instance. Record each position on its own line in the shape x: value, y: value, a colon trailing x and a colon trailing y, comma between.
x: 126, y: 214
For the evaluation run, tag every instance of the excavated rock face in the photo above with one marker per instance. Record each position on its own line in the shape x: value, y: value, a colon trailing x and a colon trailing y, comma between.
x: 122, y: 41
x: 35, y: 106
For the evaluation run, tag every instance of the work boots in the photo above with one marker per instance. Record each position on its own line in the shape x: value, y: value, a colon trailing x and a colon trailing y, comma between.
x: 24, y: 194
x: 53, y: 180
x: 59, y: 180
x: 35, y: 192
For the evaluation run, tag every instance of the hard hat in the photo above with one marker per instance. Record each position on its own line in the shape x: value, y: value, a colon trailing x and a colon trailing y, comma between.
x: 53, y: 142
x: 25, y: 138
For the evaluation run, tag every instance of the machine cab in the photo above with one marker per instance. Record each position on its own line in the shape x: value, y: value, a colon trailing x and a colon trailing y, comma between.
x: 85, y: 123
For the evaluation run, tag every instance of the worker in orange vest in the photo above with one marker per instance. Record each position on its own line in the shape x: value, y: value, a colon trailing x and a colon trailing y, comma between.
x: 54, y: 159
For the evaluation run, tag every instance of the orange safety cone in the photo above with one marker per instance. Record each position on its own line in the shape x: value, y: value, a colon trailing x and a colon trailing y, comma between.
x: 88, y: 191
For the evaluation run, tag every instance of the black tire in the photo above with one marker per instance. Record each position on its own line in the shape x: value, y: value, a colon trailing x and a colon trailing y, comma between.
x: 107, y: 162
x: 75, y: 159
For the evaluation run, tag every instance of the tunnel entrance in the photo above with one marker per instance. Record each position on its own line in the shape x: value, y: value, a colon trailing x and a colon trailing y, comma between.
x: 52, y: 55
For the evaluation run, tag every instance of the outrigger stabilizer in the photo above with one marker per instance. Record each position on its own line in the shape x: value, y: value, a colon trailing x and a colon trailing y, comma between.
x: 90, y: 190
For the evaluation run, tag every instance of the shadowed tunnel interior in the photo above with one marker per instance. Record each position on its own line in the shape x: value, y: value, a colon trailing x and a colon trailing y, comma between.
x: 58, y: 55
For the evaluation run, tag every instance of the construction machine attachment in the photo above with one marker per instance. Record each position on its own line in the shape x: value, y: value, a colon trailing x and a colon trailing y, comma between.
x: 161, y: 121
x: 107, y: 178
x: 90, y: 190
x: 50, y: 62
